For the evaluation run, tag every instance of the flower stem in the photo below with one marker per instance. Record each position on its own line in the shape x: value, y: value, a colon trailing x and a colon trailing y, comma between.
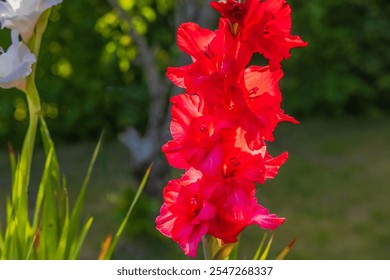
x: 21, y: 177
x: 22, y: 180
x: 33, y: 100
x: 206, y: 247
x: 34, y: 108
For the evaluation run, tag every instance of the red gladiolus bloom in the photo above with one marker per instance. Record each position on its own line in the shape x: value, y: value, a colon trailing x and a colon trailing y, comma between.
x: 264, y: 25
x: 262, y: 96
x: 238, y: 210
x: 271, y: 26
x: 185, y: 214
x: 195, y: 136
x: 215, y: 55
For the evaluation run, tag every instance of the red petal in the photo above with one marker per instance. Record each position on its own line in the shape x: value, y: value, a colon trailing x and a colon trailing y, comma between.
x: 165, y: 221
x: 192, y: 39
x: 272, y: 165
x: 262, y: 218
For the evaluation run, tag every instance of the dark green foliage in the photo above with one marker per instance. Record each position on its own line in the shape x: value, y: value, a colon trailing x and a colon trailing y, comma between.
x: 346, y: 67
x: 81, y: 93
x: 95, y: 96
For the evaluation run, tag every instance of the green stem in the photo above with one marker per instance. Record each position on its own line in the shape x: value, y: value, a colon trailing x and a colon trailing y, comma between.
x: 22, y: 181
x: 206, y: 247
x: 23, y: 176
x: 20, y: 234
x: 34, y: 108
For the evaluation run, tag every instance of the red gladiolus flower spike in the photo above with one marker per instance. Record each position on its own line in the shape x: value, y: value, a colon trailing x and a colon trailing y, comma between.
x: 221, y: 124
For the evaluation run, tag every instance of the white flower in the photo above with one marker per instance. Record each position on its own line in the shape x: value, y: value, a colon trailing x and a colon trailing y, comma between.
x: 22, y: 15
x: 15, y: 64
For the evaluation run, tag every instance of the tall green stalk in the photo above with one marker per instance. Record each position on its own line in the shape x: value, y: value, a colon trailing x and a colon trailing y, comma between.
x: 18, y: 234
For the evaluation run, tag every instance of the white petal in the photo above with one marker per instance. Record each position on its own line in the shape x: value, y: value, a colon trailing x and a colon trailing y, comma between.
x: 5, y: 8
x: 49, y: 3
x: 22, y: 15
x: 15, y: 64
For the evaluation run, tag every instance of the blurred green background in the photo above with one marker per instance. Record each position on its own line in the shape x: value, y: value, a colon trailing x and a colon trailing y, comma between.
x: 334, y: 189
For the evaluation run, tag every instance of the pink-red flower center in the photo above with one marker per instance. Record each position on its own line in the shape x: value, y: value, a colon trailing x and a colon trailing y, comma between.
x: 230, y: 167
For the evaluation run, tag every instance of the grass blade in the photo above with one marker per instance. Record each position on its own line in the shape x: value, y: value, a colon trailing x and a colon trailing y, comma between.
x: 125, y: 220
x: 266, y: 250
x: 75, y: 217
x: 77, y: 245
x: 260, y: 248
x: 41, y: 189
x: 63, y: 241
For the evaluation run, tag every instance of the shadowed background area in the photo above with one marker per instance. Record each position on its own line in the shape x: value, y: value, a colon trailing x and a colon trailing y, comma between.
x: 94, y: 75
